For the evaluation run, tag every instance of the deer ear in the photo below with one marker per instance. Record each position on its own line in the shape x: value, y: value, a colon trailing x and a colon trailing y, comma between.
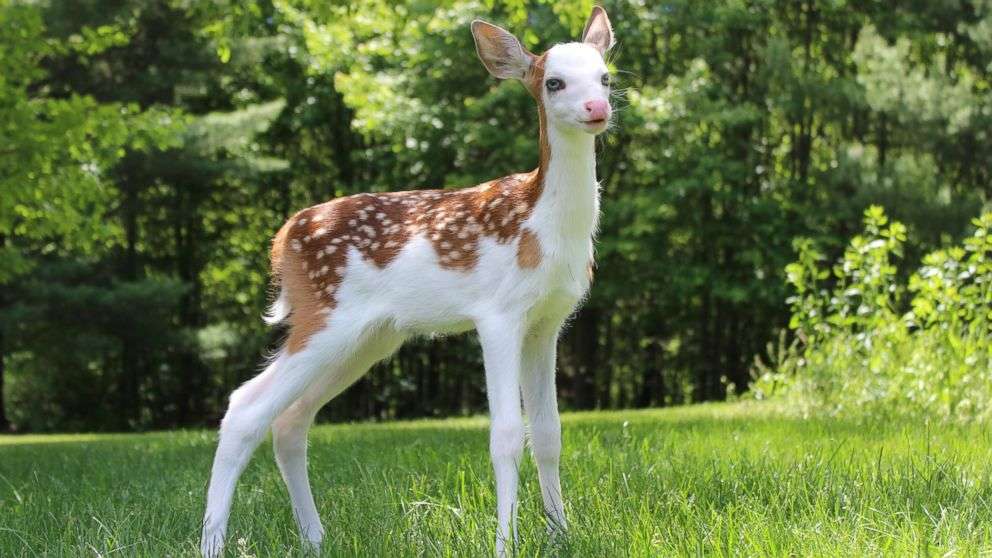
x: 500, y: 51
x: 598, y: 31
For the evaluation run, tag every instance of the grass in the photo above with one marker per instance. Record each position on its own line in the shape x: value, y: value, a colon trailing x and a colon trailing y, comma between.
x: 715, y: 480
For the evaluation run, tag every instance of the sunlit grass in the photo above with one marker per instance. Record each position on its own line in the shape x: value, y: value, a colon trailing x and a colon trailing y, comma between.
x: 716, y: 480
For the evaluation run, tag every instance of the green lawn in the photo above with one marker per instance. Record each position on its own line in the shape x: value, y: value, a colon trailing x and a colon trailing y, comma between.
x: 706, y: 480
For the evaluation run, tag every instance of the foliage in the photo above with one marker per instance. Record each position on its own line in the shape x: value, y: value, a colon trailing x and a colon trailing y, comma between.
x: 56, y: 151
x: 862, y: 355
x: 159, y: 144
x: 78, y: 308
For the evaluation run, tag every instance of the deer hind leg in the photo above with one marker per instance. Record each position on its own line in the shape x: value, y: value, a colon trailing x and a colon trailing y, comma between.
x: 289, y: 431
x: 289, y: 441
x: 255, y: 405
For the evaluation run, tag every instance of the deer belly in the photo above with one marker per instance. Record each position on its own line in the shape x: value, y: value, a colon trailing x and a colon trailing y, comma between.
x: 418, y: 294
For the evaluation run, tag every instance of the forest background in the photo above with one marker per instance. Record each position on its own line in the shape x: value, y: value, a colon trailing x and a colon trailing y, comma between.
x: 150, y: 149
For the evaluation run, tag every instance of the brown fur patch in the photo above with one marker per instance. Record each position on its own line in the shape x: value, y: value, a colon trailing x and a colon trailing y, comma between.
x: 534, y: 82
x: 528, y: 250
x: 309, y: 314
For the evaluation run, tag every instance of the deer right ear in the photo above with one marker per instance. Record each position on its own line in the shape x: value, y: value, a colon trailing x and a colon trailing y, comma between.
x: 500, y: 51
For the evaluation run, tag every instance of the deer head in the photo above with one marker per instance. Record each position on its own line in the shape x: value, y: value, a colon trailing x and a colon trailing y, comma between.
x: 570, y: 82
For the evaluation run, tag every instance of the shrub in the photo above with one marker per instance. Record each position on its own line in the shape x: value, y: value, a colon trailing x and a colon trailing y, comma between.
x: 862, y: 350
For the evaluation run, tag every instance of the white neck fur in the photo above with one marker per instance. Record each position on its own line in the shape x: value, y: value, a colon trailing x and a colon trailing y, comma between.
x: 569, y: 203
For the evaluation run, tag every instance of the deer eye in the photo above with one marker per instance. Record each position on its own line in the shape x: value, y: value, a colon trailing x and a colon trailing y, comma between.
x: 554, y: 84
x: 606, y: 80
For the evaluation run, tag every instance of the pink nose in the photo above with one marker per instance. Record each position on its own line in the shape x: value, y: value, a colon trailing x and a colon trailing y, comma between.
x: 597, y: 110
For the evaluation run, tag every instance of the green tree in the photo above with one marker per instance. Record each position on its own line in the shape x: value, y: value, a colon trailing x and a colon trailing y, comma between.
x: 57, y: 150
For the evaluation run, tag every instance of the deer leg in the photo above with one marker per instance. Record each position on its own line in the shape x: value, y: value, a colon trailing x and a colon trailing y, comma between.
x: 289, y: 442
x: 252, y: 409
x: 541, y: 404
x: 289, y: 432
x: 501, y: 340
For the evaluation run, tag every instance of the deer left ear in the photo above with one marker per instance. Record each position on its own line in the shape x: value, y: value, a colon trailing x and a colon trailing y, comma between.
x: 598, y: 32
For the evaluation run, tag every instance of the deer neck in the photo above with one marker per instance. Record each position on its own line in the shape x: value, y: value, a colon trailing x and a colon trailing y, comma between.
x: 568, y: 206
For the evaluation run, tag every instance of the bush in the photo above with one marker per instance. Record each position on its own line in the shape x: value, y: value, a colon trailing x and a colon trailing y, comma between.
x: 862, y: 350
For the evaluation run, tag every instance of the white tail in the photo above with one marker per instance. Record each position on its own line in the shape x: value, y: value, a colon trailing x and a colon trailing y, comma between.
x: 509, y: 258
x: 278, y: 311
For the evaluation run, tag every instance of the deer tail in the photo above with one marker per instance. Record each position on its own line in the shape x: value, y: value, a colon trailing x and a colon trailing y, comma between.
x: 280, y: 308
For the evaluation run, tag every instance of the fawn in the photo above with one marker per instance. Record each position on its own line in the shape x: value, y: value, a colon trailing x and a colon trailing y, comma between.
x: 511, y: 258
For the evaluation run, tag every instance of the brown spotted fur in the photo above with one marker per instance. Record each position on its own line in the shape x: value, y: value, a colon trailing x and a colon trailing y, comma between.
x: 309, y: 254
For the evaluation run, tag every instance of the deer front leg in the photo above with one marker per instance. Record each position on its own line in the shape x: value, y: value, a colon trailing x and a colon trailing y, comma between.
x: 541, y: 403
x: 501, y: 339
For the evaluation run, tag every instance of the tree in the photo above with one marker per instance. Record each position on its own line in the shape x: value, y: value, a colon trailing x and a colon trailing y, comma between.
x: 56, y: 150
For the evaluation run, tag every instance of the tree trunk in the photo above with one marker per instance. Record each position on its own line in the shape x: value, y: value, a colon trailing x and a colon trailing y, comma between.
x: 605, y: 372
x: 651, y: 390
x: 4, y: 422
x: 187, y: 235
x: 585, y: 354
x: 130, y: 368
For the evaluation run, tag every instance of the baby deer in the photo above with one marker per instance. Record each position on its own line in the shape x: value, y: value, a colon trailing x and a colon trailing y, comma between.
x: 510, y: 258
